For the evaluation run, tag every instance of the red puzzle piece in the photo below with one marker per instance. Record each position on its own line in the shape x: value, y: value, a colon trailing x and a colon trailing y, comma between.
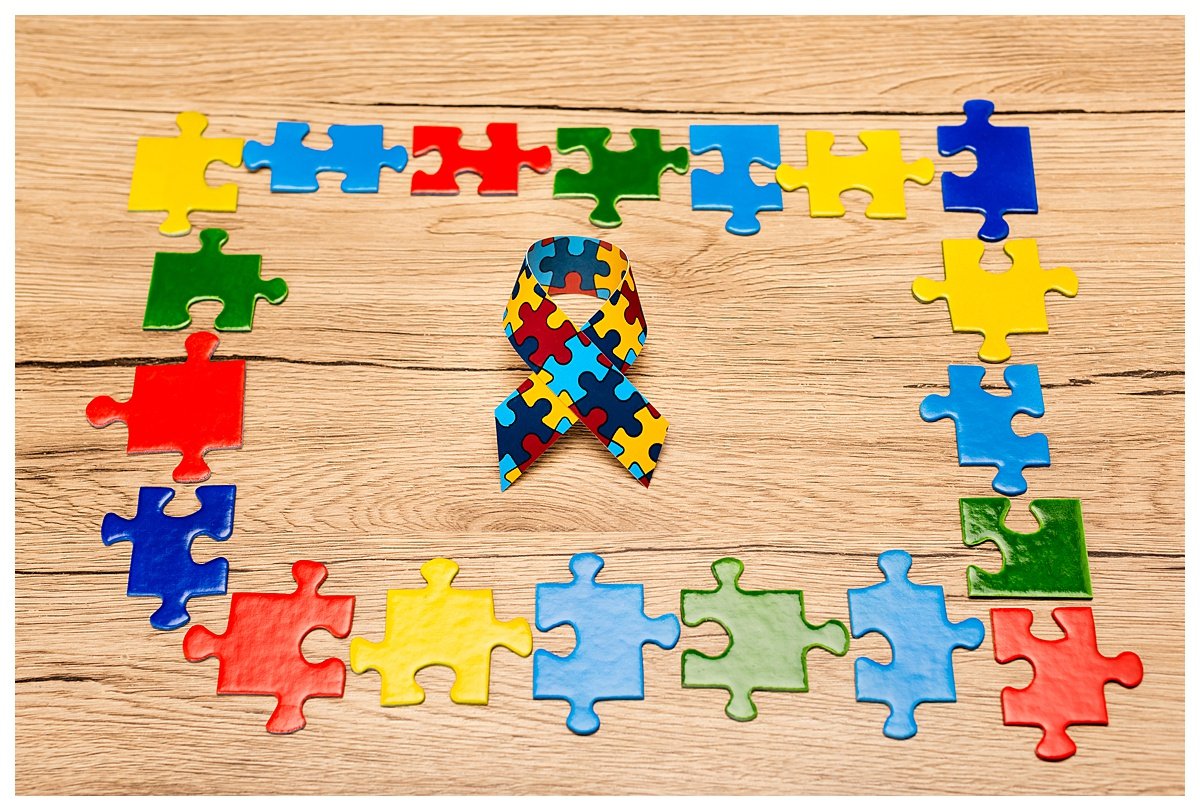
x: 1069, y: 675
x: 260, y: 650
x: 497, y: 166
x: 189, y: 408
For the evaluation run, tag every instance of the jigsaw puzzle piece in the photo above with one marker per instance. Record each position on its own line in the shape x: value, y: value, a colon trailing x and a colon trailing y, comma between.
x: 260, y: 653
x: 1003, y: 181
x: 769, y: 640
x: 995, y: 305
x: 913, y: 620
x: 498, y: 166
x: 619, y: 329
x: 168, y: 174
x: 983, y: 423
x: 438, y: 625
x: 180, y: 280
x: 161, y: 564
x: 357, y: 152
x: 1069, y: 675
x: 189, y: 408
x: 1052, y: 562
x: 611, y: 627
x: 734, y: 190
x: 639, y: 452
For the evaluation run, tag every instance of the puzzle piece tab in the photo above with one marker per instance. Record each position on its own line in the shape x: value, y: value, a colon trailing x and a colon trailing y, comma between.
x: 260, y: 652
x: 734, y: 190
x: 180, y: 280
x: 880, y: 171
x: 995, y: 305
x: 168, y: 174
x: 190, y: 408
x: 769, y: 640
x: 161, y: 564
x: 913, y: 619
x: 1069, y: 675
x: 357, y: 152
x: 983, y: 423
x: 611, y: 627
x: 632, y: 174
x: 498, y: 166
x: 438, y: 625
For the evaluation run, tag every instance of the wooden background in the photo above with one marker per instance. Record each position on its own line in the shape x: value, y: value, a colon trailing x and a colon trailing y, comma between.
x: 790, y: 365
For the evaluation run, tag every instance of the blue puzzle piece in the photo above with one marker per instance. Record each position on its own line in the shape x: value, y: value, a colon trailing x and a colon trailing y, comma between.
x: 611, y: 627
x: 161, y: 564
x: 530, y: 421
x: 1002, y: 182
x: 983, y: 423
x: 620, y: 410
x: 552, y: 263
x: 734, y: 190
x: 357, y: 151
x: 923, y: 640
x: 565, y: 377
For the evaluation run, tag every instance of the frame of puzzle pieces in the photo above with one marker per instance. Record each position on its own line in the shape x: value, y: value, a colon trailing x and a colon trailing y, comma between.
x: 769, y: 633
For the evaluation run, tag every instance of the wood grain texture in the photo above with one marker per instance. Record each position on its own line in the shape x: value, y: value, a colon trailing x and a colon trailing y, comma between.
x: 790, y: 365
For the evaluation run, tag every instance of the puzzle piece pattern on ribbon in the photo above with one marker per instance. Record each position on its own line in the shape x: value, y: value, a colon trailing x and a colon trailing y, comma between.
x: 923, y: 640
x: 168, y: 174
x: 1069, y: 675
x: 995, y: 305
x: 161, y: 563
x: 498, y: 166
x: 1003, y: 181
x: 983, y: 423
x: 769, y: 640
x: 190, y: 408
x: 1051, y: 562
x: 631, y: 174
x: 260, y: 654
x: 438, y: 625
x: 611, y: 626
x: 734, y: 190
x: 179, y: 280
x: 880, y: 171
x: 357, y: 152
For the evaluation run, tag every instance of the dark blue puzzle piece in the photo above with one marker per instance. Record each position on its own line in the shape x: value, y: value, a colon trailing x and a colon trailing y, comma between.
x: 606, y: 394
x: 357, y: 151
x: 161, y: 564
x: 528, y: 421
x: 611, y: 627
x: 1003, y: 181
x: 552, y: 264
x: 734, y: 190
x: 983, y: 423
x: 923, y: 640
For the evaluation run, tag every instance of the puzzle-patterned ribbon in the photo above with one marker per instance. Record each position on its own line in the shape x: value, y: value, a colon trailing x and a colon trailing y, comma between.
x: 578, y: 374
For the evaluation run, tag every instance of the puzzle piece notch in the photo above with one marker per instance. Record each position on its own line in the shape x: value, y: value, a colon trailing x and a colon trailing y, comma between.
x: 180, y: 280
x: 611, y: 628
x: 260, y: 651
x: 631, y: 174
x: 190, y: 408
x: 983, y: 423
x: 438, y: 625
x: 1069, y: 675
x: 880, y: 170
x: 498, y: 166
x: 769, y: 640
x: 995, y: 305
x: 913, y: 620
x: 161, y: 563
x: 357, y: 152
x: 1003, y: 180
x: 734, y: 190
x: 168, y: 174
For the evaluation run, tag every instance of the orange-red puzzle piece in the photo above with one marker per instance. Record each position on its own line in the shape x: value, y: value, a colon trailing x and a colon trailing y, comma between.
x: 498, y: 166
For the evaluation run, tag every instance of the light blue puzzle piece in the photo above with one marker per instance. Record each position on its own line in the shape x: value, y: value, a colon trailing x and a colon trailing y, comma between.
x: 734, y: 190
x: 565, y: 377
x: 357, y: 152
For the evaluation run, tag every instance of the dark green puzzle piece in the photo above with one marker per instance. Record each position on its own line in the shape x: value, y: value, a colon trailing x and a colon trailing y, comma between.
x: 768, y: 640
x: 1051, y: 562
x: 182, y: 279
x: 629, y: 175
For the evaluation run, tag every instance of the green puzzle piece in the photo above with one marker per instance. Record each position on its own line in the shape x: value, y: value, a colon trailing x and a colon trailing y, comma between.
x: 629, y: 175
x: 1051, y: 562
x: 182, y: 279
x: 769, y: 638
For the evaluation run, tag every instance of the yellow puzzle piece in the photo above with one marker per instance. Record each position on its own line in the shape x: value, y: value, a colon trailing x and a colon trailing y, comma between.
x: 880, y: 170
x: 168, y: 174
x: 636, y: 449
x: 995, y: 305
x: 438, y: 625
